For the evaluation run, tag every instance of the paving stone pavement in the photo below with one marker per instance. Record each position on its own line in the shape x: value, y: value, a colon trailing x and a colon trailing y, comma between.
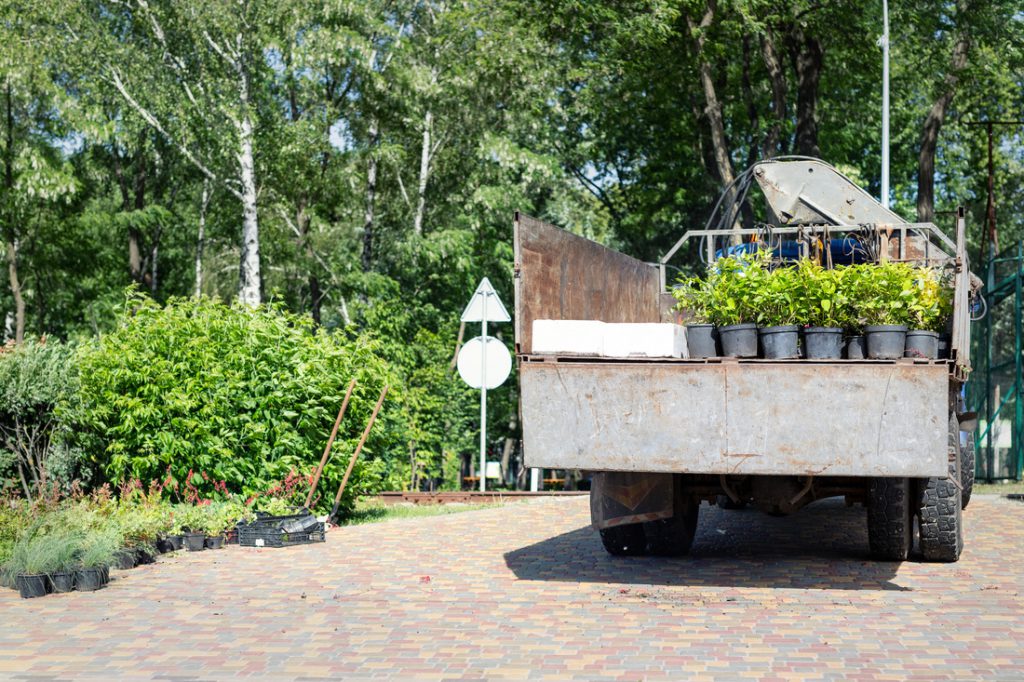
x: 525, y: 591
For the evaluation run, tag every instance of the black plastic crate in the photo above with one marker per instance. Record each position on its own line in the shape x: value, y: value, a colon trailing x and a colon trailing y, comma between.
x: 267, y: 531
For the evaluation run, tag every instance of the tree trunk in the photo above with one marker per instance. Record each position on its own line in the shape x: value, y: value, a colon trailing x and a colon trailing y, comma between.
x: 771, y: 143
x: 748, y: 99
x: 713, y: 108
x: 201, y: 237
x: 135, y: 266
x: 371, y: 195
x: 249, y: 274
x: 932, y: 126
x: 807, y: 61
x: 421, y: 194
x: 19, y: 300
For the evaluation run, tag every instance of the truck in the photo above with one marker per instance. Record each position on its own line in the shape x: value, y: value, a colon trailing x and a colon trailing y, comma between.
x: 660, y: 436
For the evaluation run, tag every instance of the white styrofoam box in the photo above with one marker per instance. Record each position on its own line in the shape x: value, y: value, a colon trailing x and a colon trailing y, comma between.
x: 644, y: 340
x: 572, y: 337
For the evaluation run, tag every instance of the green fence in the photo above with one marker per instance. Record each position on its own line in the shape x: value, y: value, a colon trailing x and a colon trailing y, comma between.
x: 995, y: 386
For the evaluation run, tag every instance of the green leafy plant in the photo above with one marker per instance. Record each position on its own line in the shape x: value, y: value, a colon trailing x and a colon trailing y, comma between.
x: 734, y: 284
x: 932, y: 303
x: 823, y: 297
x: 237, y: 393
x: 35, y: 555
x: 693, y: 295
x: 776, y: 296
x: 98, y: 548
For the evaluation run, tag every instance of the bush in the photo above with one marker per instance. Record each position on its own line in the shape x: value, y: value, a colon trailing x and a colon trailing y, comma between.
x: 241, y: 394
x: 34, y: 378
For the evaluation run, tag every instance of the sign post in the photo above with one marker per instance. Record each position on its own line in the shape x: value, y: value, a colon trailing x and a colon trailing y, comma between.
x: 494, y: 363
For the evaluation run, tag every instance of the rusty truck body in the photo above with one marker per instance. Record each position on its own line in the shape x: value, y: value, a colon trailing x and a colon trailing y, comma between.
x: 662, y: 435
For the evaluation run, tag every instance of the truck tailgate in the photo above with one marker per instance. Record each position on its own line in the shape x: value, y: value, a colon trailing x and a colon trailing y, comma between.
x: 753, y: 417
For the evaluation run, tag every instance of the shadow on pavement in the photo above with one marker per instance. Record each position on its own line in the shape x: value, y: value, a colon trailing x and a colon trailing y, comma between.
x: 824, y: 546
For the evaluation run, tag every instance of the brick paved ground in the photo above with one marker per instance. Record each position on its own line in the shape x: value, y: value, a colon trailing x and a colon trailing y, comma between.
x: 526, y: 591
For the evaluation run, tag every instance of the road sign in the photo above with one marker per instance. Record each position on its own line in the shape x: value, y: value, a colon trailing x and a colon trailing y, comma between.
x: 495, y: 309
x: 497, y: 359
x: 487, y: 355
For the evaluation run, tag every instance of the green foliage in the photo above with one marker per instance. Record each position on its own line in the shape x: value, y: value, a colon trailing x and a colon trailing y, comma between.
x: 824, y: 295
x: 99, y: 548
x: 735, y: 285
x: 34, y: 378
x: 239, y: 394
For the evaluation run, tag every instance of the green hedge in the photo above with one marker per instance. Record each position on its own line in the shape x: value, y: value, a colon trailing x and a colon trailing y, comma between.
x: 243, y: 394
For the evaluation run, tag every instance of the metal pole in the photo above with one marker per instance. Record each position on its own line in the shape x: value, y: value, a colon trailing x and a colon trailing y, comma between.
x: 1018, y: 400
x: 483, y: 396
x: 885, y: 103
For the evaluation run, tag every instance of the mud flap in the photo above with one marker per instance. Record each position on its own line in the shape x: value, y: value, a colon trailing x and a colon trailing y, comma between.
x: 618, y: 498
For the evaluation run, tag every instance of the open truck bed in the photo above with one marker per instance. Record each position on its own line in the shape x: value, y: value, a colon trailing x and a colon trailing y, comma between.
x: 722, y: 429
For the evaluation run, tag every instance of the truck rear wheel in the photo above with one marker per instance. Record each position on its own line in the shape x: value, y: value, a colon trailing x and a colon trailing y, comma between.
x: 674, y: 536
x: 967, y: 471
x: 940, y: 508
x: 625, y: 540
x: 890, y: 518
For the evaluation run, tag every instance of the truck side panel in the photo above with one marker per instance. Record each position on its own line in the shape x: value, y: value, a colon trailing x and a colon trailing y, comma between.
x: 802, y: 418
x: 560, y: 276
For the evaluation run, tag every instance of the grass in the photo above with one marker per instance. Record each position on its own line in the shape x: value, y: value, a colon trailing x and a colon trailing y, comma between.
x: 998, y: 488
x: 371, y: 511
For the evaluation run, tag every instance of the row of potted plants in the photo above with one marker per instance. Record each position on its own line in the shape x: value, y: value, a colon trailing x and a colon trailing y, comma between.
x: 59, y: 556
x: 747, y: 306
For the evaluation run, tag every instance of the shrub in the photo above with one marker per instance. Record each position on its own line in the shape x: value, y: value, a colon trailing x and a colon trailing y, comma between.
x: 34, y: 377
x: 734, y: 284
x: 241, y: 394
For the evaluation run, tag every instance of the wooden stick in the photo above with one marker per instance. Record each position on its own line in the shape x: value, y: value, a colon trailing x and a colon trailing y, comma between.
x: 359, y: 448
x: 330, y: 442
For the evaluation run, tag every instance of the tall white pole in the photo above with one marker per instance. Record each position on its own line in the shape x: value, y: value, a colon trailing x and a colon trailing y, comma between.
x: 483, y: 397
x: 885, y: 103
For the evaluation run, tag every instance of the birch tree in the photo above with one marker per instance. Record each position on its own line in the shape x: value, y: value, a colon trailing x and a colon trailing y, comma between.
x: 192, y: 71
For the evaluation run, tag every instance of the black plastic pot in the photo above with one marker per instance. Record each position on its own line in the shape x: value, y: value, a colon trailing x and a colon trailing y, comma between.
x: 739, y: 340
x: 921, y: 344
x: 163, y: 546
x: 175, y: 541
x: 215, y: 542
x: 194, y: 542
x: 702, y: 340
x: 855, y: 349
x: 32, y: 585
x: 823, y: 343
x: 104, y: 575
x: 143, y: 555
x: 885, y: 341
x: 62, y: 582
x: 944, y: 340
x: 125, y: 559
x: 781, y: 342
x: 90, y: 579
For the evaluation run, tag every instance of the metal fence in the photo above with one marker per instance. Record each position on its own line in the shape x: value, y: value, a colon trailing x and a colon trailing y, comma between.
x: 994, y: 390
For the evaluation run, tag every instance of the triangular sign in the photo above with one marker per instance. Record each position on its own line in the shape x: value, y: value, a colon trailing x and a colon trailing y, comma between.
x: 496, y: 312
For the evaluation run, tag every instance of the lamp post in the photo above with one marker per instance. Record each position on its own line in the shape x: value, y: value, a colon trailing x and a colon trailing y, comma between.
x: 884, y: 42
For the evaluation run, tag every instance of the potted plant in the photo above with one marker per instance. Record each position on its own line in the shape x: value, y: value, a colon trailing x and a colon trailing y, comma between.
x: 693, y: 295
x: 929, y: 308
x: 31, y: 560
x: 824, y: 308
x: 880, y: 295
x: 732, y: 286
x: 94, y: 559
x: 219, y: 517
x: 193, y: 522
x: 65, y: 561
x: 776, y: 296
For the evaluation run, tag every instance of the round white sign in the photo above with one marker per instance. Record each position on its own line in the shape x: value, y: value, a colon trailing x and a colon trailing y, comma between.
x: 499, y: 362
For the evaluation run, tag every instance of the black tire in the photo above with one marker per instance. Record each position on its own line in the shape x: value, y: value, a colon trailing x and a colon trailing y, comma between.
x: 674, y: 536
x: 890, y: 518
x: 625, y: 540
x: 967, y: 465
x: 725, y: 502
x: 940, y: 508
